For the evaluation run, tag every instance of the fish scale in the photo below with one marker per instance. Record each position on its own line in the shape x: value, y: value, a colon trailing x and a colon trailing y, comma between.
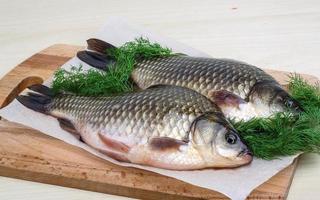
x: 137, y: 108
x: 194, y: 72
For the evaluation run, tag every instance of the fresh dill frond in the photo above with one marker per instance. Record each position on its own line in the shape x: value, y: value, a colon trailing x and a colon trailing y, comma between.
x: 306, y: 94
x: 139, y: 48
x: 91, y: 82
x: 117, y: 78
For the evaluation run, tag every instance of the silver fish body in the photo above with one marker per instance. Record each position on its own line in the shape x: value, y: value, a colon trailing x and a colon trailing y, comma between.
x: 165, y: 126
x: 203, y: 75
x: 242, y: 91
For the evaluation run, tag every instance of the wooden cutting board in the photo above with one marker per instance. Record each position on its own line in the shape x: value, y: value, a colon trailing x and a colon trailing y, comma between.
x: 30, y: 155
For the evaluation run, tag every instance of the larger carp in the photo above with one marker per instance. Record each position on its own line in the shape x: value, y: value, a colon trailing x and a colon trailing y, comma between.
x: 164, y: 126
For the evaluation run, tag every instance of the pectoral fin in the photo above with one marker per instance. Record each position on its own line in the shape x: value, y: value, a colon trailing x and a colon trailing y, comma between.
x: 165, y: 143
x: 226, y: 98
x: 69, y: 127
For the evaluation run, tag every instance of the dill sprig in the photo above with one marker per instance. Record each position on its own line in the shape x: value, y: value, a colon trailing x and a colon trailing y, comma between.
x: 284, y: 134
x: 308, y: 95
x: 117, y: 79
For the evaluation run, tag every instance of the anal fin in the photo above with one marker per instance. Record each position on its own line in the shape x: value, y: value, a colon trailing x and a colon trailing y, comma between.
x: 68, y: 126
x: 116, y: 156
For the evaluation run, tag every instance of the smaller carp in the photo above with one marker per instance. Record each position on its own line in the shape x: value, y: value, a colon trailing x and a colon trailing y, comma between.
x: 241, y: 90
x: 164, y: 126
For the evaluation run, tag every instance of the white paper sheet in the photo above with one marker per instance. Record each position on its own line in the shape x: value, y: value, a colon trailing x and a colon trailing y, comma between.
x: 234, y: 183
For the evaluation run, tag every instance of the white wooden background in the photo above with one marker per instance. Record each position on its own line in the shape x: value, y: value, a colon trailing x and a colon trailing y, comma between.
x: 282, y: 35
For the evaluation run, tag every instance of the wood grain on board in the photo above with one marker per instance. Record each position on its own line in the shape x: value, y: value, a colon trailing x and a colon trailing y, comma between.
x: 30, y: 155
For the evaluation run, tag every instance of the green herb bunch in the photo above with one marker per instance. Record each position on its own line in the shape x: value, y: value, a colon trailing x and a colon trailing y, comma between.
x: 117, y: 78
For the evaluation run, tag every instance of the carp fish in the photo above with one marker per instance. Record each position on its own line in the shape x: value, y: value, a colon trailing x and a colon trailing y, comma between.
x: 242, y: 91
x: 167, y: 127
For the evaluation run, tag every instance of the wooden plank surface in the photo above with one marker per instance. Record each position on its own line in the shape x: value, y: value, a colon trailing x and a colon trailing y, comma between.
x: 30, y: 155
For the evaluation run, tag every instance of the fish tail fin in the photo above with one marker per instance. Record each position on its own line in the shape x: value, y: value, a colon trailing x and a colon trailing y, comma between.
x: 96, y: 56
x: 42, y: 89
x: 39, y: 101
x: 99, y: 46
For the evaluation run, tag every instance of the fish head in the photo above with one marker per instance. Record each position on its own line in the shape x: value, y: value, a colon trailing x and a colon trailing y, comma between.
x: 218, y: 142
x: 269, y: 98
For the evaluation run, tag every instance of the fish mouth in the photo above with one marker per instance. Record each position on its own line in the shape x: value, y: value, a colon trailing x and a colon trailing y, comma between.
x: 245, y: 152
x: 245, y: 155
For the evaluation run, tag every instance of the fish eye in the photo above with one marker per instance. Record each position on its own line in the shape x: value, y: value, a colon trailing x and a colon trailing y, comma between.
x: 231, y: 138
x: 290, y: 103
x: 294, y: 105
